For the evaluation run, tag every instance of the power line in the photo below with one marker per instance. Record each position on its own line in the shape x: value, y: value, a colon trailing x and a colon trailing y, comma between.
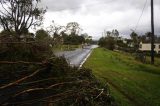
x: 141, y: 15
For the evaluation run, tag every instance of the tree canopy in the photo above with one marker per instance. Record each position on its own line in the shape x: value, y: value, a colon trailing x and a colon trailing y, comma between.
x: 41, y: 34
x: 73, y: 27
x: 20, y: 15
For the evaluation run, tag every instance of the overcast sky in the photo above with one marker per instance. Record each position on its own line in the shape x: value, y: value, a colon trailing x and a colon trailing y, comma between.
x: 95, y: 16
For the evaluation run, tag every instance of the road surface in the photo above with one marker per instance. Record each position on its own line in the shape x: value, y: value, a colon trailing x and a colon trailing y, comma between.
x: 78, y: 56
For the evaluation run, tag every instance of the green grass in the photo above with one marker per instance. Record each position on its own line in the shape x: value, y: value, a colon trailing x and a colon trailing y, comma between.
x: 65, y: 47
x: 131, y: 82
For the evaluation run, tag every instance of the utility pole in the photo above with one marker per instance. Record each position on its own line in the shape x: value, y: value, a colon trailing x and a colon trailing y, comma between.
x: 152, y: 30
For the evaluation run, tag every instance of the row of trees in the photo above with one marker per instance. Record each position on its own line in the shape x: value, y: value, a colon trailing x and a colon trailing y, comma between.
x: 146, y: 38
x: 112, y: 40
x: 69, y: 34
x: 18, y: 16
x: 55, y: 34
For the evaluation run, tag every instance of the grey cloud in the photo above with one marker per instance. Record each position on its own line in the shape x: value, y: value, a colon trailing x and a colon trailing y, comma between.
x: 59, y: 5
x: 95, y: 15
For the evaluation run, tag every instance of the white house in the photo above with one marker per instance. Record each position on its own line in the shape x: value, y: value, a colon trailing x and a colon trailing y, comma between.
x: 147, y: 47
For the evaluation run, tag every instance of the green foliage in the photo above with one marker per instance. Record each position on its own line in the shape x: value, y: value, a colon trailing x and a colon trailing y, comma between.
x: 74, y: 39
x: 107, y: 42
x: 121, y: 44
x: 13, y: 50
x: 135, y: 39
x: 110, y: 41
x: 41, y: 34
x: 140, y: 57
x: 7, y: 33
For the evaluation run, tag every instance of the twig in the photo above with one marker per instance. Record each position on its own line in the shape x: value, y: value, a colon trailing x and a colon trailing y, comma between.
x: 100, y: 93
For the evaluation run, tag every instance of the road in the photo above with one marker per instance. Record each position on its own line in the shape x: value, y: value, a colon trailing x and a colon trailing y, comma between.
x: 78, y: 56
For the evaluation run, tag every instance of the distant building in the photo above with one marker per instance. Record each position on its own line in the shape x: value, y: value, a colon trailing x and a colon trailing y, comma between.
x: 147, y: 47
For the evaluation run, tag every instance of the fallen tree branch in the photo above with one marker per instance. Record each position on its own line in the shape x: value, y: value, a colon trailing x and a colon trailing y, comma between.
x: 66, y: 83
x: 50, y: 87
x: 20, y: 80
x: 21, y: 62
x: 69, y: 92
x: 48, y: 79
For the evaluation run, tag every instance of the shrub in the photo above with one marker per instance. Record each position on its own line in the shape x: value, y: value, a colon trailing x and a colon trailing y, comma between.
x: 107, y: 42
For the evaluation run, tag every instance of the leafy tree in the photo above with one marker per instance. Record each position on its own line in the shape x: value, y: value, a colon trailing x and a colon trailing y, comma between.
x: 115, y: 33
x: 143, y: 38
x: 41, y: 34
x: 74, y: 40
x: 102, y: 42
x: 110, y: 40
x: 121, y: 44
x: 134, y: 36
x: 108, y: 33
x: 55, y: 30
x: 135, y: 39
x: 88, y: 39
x: 20, y: 15
x: 146, y: 38
x: 110, y: 43
x: 73, y: 27
x: 107, y: 42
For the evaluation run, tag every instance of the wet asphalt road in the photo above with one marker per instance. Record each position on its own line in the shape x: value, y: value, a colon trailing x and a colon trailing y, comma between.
x: 78, y: 56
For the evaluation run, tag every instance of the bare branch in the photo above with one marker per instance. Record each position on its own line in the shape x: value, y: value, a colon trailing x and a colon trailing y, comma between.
x: 5, y: 8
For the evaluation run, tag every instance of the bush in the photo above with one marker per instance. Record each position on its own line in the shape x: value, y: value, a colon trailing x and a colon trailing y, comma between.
x: 107, y: 42
x: 140, y: 56
x: 13, y: 50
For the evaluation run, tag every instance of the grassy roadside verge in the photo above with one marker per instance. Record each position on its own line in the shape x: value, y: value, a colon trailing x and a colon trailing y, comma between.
x: 131, y: 83
x: 66, y: 47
